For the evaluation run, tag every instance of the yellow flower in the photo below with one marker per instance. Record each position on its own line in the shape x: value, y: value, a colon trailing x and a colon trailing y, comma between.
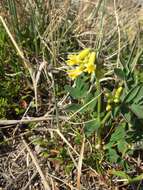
x: 84, y: 62
x: 90, y: 68
x: 76, y: 59
x: 73, y: 74
x: 73, y: 60
x: 83, y: 53
x: 72, y: 56
x: 92, y: 58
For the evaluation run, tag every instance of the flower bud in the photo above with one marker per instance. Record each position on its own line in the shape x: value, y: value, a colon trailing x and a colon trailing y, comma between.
x: 108, y: 107
x: 109, y: 101
x: 83, y: 53
x: 107, y: 94
x: 116, y: 100
x: 118, y: 92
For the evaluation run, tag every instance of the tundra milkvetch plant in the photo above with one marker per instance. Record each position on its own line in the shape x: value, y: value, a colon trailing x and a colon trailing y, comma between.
x: 86, y: 62
x: 111, y: 109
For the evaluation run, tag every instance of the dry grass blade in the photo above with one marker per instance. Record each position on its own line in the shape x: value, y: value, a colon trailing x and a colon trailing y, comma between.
x: 25, y: 61
x: 80, y: 165
x: 34, y: 159
x: 30, y: 119
x: 119, y: 33
x: 29, y: 182
x: 65, y: 140
x: 92, y: 100
x: 26, y: 64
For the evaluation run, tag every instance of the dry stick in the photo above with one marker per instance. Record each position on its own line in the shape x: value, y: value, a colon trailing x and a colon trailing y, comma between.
x: 34, y: 159
x: 16, y: 46
x: 44, y: 118
x: 69, y: 145
x: 30, y: 180
x: 72, y: 158
x: 26, y: 62
x: 28, y: 173
x: 10, y: 123
x: 80, y: 164
x: 64, y: 182
x: 119, y: 33
x: 29, y: 120
x: 65, y: 140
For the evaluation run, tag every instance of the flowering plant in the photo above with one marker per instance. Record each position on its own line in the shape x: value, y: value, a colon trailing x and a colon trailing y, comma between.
x: 103, y: 104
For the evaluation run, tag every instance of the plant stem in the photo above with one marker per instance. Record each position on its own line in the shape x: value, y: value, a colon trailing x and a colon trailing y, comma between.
x: 99, y: 99
x: 105, y: 118
x: 99, y: 133
x: 99, y: 140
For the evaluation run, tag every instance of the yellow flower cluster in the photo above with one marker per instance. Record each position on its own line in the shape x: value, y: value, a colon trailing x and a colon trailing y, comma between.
x: 84, y: 61
x: 113, y: 98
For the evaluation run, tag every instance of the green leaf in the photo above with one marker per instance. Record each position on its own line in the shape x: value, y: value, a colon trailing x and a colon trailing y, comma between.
x: 73, y: 107
x: 91, y: 127
x: 137, y: 110
x: 89, y: 98
x: 44, y: 154
x: 115, y: 111
x: 136, y: 179
x: 139, y: 96
x: 113, y: 156
x: 120, y: 73
x: 132, y: 94
x: 137, y: 57
x: 126, y: 113
x: 117, y: 140
x: 119, y: 133
x: 72, y: 91
x: 79, y: 91
x: 121, y: 174
x: 122, y: 146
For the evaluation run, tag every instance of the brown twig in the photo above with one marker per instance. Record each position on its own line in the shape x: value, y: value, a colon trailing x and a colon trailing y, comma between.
x: 80, y: 165
x: 34, y: 159
x: 30, y: 119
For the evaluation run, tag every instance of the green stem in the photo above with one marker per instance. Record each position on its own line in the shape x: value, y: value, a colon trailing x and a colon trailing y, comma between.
x: 98, y: 87
x: 99, y: 99
x: 105, y: 118
x: 99, y: 134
